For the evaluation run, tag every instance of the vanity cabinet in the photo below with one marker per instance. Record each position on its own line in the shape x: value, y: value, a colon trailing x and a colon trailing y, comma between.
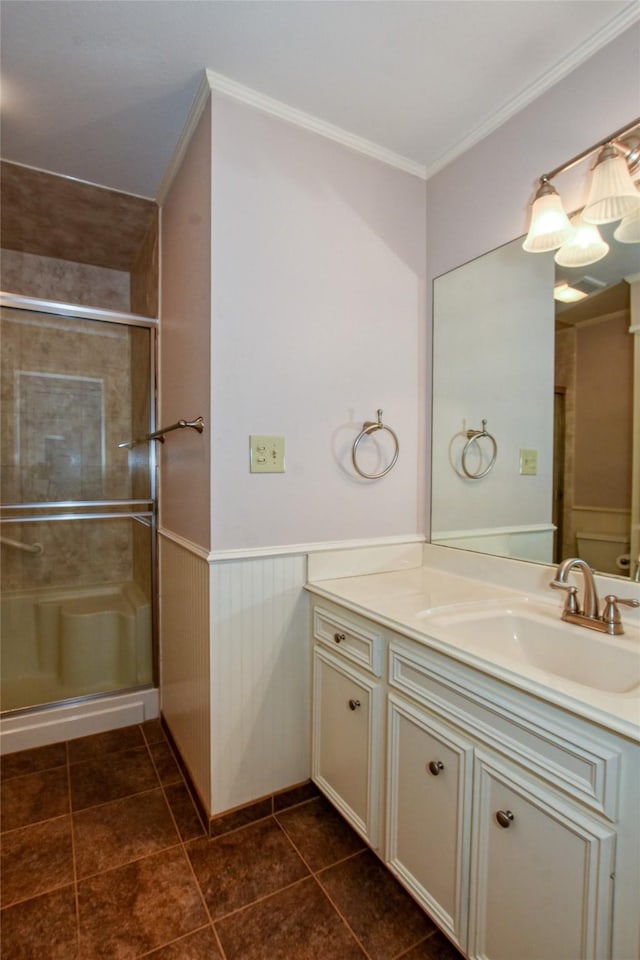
x: 429, y: 792
x: 512, y: 822
x: 505, y: 863
x: 541, y: 872
x: 537, y: 880
x: 347, y: 745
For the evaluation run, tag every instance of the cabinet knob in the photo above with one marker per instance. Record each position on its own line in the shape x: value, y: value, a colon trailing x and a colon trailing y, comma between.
x: 354, y: 704
x: 505, y: 818
x: 338, y: 637
x: 435, y: 766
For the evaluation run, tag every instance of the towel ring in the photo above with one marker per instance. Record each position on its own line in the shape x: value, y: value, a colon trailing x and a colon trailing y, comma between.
x: 474, y: 436
x: 369, y: 427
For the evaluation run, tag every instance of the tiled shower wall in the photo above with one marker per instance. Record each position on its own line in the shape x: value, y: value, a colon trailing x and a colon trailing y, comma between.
x: 75, y: 242
x: 66, y: 403
x: 46, y: 278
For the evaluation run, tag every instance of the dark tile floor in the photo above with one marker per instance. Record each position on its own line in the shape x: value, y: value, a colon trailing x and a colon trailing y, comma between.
x: 104, y: 858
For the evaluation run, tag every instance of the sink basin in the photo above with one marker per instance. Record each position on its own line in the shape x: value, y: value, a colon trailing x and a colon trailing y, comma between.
x: 542, y: 640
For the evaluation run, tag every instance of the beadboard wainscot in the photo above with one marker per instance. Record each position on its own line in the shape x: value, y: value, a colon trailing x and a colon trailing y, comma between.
x: 259, y: 678
x: 185, y: 655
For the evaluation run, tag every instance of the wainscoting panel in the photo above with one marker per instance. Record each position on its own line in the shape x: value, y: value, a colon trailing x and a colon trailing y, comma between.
x: 260, y: 680
x: 533, y: 542
x: 184, y: 657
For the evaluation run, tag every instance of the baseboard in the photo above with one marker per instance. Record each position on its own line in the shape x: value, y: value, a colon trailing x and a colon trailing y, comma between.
x: 248, y: 813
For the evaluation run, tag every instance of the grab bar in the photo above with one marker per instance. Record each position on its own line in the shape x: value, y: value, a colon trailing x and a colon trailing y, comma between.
x: 197, y: 424
x: 36, y: 548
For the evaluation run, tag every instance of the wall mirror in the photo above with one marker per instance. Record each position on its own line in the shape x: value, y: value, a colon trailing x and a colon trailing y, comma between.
x: 556, y: 387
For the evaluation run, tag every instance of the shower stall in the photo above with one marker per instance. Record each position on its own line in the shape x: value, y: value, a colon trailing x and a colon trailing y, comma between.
x: 77, y: 522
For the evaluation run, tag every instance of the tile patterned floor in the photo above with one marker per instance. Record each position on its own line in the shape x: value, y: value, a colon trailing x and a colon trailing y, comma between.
x: 104, y: 858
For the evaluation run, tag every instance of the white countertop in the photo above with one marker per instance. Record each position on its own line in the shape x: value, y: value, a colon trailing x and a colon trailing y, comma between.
x: 409, y: 602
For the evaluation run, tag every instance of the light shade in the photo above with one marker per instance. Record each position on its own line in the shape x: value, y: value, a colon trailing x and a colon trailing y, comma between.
x: 584, y: 247
x: 566, y: 294
x: 628, y: 230
x: 550, y: 225
x: 613, y: 193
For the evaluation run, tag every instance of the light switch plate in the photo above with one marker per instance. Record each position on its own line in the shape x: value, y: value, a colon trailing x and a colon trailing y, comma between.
x: 266, y: 454
x: 528, y: 463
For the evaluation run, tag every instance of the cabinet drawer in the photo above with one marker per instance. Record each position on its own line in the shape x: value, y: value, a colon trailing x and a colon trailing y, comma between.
x: 360, y: 643
x: 537, y: 738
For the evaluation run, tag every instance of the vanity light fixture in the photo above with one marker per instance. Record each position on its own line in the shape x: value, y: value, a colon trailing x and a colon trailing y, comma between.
x: 628, y: 230
x: 585, y: 246
x: 566, y: 294
x: 550, y: 226
x: 613, y: 194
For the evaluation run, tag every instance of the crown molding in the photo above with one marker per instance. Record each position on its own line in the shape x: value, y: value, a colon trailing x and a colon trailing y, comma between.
x: 281, y: 110
x: 617, y: 25
x: 197, y: 108
x: 277, y: 108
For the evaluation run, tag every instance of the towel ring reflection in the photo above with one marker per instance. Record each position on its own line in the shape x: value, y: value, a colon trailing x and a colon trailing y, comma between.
x: 474, y: 436
x: 369, y: 427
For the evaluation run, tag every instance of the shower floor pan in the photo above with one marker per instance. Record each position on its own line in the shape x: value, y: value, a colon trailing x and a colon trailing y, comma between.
x: 59, y: 643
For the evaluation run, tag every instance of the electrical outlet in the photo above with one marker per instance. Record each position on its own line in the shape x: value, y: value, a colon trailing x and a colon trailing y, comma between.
x: 528, y: 463
x: 266, y: 454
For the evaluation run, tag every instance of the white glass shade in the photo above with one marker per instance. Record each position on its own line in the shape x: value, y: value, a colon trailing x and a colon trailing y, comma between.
x: 628, y: 230
x: 550, y: 225
x: 613, y: 193
x: 563, y: 293
x: 584, y: 247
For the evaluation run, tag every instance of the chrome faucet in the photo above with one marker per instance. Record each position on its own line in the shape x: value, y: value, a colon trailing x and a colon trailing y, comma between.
x: 610, y: 621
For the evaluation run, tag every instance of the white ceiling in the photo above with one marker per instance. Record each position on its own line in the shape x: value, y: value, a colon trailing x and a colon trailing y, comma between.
x: 101, y: 89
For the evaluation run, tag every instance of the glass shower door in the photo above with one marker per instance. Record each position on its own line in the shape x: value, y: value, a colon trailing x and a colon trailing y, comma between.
x: 77, y: 518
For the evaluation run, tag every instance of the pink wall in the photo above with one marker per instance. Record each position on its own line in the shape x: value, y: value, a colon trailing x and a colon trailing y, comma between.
x: 481, y: 200
x: 185, y: 367
x: 318, y: 267
x: 318, y: 319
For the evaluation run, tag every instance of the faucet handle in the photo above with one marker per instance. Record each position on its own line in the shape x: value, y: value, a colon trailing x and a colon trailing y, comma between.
x: 571, y: 603
x: 611, y: 614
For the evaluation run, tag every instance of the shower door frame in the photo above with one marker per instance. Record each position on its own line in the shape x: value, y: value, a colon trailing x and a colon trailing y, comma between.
x: 102, y: 509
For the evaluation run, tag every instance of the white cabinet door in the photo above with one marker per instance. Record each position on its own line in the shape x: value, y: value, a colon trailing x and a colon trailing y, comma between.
x: 541, y: 873
x: 428, y: 813
x: 347, y: 746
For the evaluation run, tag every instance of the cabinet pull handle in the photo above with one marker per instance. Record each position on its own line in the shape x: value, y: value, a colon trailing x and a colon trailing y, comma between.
x: 505, y: 818
x: 435, y: 766
x: 354, y: 704
x: 339, y: 637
